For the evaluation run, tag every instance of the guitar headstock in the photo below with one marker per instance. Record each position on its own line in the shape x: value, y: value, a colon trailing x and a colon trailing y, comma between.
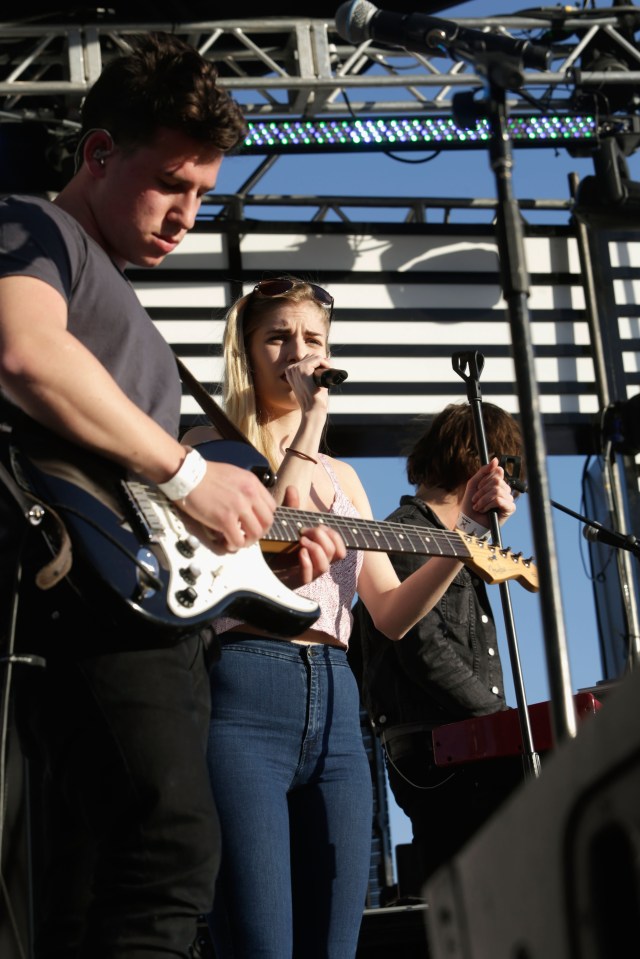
x: 494, y: 564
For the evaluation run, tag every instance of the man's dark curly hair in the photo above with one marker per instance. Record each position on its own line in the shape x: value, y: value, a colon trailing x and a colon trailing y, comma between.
x: 162, y: 82
x: 446, y: 455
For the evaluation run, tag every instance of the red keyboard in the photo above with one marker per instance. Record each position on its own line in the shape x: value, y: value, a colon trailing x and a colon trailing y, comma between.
x: 489, y: 737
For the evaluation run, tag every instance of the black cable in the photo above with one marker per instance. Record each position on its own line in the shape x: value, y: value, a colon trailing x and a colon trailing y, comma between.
x: 9, y: 661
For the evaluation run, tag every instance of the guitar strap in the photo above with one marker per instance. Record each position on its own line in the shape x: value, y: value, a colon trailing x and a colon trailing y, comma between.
x: 227, y: 429
x: 57, y: 568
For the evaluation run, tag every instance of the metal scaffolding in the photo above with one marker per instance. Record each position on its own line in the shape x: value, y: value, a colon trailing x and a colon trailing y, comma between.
x: 301, y: 67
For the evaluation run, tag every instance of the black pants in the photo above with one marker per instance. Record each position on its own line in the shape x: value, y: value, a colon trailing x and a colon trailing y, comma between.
x: 446, y: 805
x: 130, y: 834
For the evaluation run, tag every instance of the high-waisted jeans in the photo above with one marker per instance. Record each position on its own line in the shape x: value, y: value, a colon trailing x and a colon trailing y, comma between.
x: 293, y: 789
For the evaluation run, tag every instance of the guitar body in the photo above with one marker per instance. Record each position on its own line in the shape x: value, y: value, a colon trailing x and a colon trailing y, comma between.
x: 132, y: 543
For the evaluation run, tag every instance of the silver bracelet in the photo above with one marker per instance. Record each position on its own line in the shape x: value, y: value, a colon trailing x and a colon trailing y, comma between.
x: 469, y: 526
x: 191, y: 472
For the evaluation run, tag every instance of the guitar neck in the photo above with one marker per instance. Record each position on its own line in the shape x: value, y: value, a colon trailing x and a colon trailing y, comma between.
x: 368, y: 534
x: 492, y: 563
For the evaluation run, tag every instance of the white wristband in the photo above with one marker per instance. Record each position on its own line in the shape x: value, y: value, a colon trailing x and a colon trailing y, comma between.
x: 191, y: 472
x: 469, y: 526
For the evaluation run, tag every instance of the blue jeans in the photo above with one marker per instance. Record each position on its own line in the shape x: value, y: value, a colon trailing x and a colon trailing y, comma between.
x: 293, y: 789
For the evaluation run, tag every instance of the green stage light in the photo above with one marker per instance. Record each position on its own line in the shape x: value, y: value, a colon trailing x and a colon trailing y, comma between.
x: 409, y: 133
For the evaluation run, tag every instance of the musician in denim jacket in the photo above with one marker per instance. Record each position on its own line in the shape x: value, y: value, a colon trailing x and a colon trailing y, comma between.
x: 447, y: 668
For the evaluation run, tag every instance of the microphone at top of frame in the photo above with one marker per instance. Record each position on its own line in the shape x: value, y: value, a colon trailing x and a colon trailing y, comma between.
x: 359, y: 20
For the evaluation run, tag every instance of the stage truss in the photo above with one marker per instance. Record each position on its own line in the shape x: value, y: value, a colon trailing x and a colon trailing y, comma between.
x: 301, y: 68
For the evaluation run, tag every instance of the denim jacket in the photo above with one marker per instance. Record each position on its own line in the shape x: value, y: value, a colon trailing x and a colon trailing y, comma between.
x: 447, y: 667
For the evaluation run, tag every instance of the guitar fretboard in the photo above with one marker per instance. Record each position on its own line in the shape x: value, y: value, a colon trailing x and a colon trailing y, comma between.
x: 370, y: 534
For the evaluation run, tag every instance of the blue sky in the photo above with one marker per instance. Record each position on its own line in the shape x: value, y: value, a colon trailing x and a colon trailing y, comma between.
x: 538, y: 173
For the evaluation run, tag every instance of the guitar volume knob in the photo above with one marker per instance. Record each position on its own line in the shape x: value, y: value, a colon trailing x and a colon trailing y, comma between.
x: 191, y: 572
x: 186, y: 597
x: 188, y: 546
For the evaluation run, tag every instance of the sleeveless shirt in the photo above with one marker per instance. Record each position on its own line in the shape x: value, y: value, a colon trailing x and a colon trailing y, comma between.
x: 334, y: 591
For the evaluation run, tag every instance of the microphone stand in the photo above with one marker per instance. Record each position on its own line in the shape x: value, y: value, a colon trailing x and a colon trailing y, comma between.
x: 501, y: 73
x: 475, y: 364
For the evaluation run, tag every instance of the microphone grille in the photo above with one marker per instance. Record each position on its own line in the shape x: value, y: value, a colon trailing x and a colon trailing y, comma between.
x: 352, y: 20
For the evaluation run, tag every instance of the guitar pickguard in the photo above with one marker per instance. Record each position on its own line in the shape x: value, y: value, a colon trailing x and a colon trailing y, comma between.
x: 199, y: 579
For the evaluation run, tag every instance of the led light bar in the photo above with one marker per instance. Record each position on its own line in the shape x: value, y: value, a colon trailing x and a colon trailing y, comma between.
x: 408, y: 133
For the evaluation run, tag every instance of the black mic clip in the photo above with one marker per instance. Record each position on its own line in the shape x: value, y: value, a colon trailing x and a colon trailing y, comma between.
x: 511, y: 465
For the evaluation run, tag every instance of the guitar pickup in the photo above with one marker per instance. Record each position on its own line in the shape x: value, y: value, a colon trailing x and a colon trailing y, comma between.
x: 139, y: 511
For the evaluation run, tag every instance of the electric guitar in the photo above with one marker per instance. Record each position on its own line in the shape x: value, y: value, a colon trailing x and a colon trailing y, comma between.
x: 126, y: 534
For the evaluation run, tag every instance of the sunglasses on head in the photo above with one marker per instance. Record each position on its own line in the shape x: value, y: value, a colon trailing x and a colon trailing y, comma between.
x: 282, y: 285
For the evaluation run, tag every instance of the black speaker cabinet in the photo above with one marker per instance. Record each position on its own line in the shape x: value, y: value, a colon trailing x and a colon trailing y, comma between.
x: 556, y: 873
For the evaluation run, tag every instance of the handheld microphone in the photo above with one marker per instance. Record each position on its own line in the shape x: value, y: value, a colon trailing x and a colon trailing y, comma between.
x: 359, y: 20
x: 329, y: 378
x: 599, y: 534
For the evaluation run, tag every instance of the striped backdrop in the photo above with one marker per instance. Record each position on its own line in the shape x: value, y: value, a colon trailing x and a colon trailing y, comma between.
x: 407, y: 298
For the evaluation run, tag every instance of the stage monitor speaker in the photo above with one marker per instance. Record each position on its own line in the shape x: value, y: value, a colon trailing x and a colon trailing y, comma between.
x: 556, y: 873
x: 393, y: 932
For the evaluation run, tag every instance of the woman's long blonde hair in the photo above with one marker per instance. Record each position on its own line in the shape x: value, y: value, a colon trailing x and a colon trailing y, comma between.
x: 238, y: 392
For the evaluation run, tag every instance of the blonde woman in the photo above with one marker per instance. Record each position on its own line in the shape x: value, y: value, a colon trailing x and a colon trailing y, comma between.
x: 288, y: 768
